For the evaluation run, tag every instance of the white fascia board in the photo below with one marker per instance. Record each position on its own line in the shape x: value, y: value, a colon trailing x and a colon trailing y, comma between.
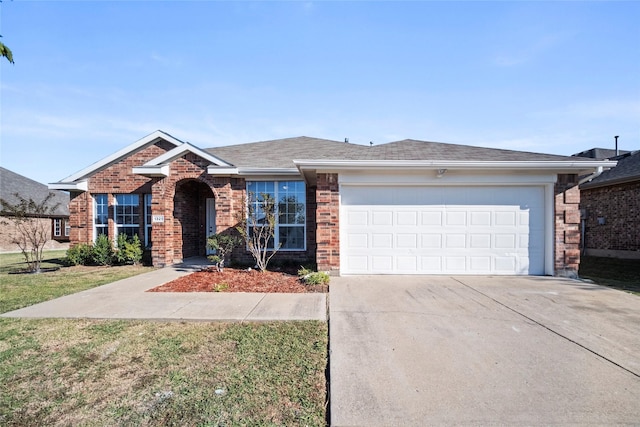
x: 264, y: 172
x: 157, y: 171
x: 69, y: 186
x: 182, y: 150
x: 268, y: 171
x: 224, y: 171
x: 151, y: 138
x: 556, y: 165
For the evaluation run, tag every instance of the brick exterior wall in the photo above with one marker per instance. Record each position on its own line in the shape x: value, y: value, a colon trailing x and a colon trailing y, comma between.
x: 181, y: 199
x: 328, y: 222
x: 567, y: 225
x: 619, y: 207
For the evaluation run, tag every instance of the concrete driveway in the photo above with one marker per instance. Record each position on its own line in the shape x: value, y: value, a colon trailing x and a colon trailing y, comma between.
x: 431, y: 350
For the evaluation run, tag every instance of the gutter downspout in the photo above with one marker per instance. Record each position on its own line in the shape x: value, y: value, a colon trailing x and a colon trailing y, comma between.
x: 594, y: 175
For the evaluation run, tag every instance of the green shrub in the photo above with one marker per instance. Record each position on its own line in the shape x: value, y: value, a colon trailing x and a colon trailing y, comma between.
x: 303, y: 271
x: 102, y: 253
x: 129, y: 250
x: 223, y: 244
x: 80, y: 254
x: 314, y: 278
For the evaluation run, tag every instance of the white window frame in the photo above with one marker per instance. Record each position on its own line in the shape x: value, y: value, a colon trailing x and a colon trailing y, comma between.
x: 67, y: 228
x: 276, y: 194
x: 148, y: 223
x: 121, y: 226
x: 96, y: 206
x: 57, y: 227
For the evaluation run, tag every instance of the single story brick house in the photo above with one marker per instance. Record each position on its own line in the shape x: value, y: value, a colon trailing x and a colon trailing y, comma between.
x: 406, y: 207
x: 610, y: 204
x: 56, y: 223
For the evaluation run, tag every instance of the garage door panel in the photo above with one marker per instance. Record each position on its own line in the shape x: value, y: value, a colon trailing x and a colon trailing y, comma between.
x: 381, y: 217
x: 456, y: 218
x: 358, y: 217
x: 431, y: 218
x: 406, y: 241
x: 357, y: 240
x: 430, y: 230
x: 480, y: 264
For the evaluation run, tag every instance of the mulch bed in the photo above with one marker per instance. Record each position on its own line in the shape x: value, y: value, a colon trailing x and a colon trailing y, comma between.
x: 234, y: 280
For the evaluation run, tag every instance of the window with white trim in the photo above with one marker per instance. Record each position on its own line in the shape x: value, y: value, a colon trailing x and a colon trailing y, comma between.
x: 100, y: 215
x: 147, y: 220
x: 57, y: 227
x: 126, y: 214
x: 291, y: 206
x: 67, y: 228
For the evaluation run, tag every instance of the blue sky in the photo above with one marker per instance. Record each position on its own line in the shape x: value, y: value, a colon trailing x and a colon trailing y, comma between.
x: 92, y: 77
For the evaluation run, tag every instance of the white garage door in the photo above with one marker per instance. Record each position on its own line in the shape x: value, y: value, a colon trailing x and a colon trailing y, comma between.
x: 442, y: 230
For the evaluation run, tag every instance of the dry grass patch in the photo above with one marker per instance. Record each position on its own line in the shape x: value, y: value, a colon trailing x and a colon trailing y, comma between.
x: 84, y: 372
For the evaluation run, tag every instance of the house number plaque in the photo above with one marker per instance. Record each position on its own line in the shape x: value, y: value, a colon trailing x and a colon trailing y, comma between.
x: 157, y: 218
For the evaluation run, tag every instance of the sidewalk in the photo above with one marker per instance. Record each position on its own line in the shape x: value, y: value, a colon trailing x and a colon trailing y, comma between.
x: 127, y: 299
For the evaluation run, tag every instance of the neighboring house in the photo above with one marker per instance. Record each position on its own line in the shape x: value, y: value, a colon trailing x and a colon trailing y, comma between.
x: 57, y: 222
x: 611, y: 208
x: 406, y: 207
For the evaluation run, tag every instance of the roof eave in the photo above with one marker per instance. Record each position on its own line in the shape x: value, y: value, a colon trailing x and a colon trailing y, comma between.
x: 69, y: 186
x: 608, y: 183
x: 152, y: 171
x: 546, y: 165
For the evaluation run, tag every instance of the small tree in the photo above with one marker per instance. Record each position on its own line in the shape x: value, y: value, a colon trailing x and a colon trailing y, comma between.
x: 258, y: 228
x: 31, y: 232
x: 223, y: 244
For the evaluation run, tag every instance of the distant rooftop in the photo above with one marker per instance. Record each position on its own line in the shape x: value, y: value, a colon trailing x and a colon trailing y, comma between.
x: 600, y: 153
x: 12, y: 183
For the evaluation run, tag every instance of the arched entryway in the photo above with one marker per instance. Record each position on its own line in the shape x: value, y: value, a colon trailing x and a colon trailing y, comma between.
x: 194, y: 216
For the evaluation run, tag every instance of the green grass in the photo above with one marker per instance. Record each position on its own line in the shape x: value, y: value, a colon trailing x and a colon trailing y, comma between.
x: 21, y: 290
x: 623, y: 274
x: 94, y: 373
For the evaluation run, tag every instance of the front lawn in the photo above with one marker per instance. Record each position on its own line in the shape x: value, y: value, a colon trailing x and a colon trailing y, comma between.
x: 96, y: 373
x: 623, y: 274
x: 64, y: 372
x: 19, y: 290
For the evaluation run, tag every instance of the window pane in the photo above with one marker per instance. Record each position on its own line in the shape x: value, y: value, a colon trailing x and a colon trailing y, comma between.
x: 290, y: 197
x: 292, y: 237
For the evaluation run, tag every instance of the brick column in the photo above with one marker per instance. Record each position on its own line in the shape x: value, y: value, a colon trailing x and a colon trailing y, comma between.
x: 80, y: 218
x: 328, y: 223
x: 162, y: 233
x: 567, y: 225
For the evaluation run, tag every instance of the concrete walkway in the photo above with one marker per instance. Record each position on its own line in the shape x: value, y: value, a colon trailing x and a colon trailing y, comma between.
x: 127, y: 299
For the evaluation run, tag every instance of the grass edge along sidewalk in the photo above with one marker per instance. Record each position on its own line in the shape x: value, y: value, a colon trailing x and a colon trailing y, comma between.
x: 97, y: 372
x: 21, y: 290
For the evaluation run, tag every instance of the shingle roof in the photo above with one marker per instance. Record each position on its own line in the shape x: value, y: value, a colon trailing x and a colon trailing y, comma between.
x: 627, y: 169
x: 12, y: 183
x: 600, y: 153
x: 280, y: 153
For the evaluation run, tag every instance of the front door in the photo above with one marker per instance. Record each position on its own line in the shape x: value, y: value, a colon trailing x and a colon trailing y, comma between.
x: 211, y: 221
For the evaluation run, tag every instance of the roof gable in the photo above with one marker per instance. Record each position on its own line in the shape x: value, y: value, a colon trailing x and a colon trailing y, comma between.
x: 150, y: 139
